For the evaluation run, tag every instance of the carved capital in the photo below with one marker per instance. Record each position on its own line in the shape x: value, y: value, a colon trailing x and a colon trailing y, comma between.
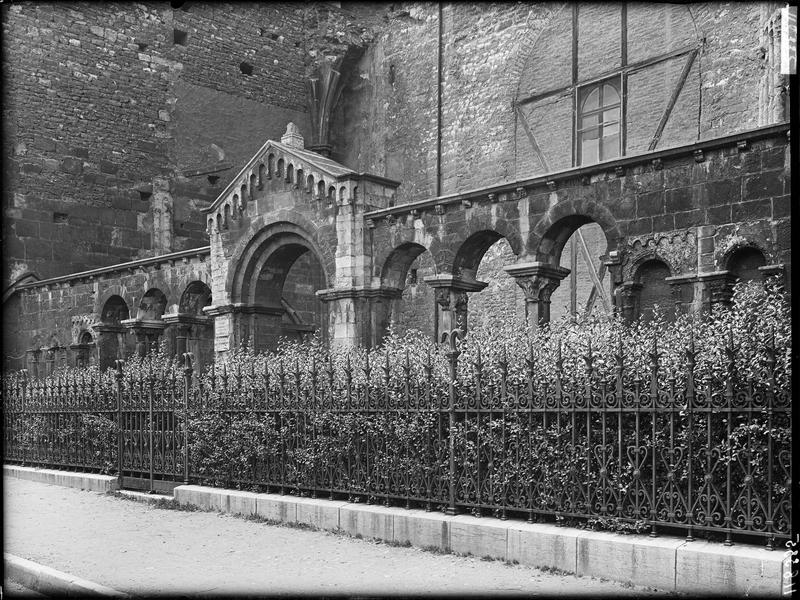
x: 538, y: 280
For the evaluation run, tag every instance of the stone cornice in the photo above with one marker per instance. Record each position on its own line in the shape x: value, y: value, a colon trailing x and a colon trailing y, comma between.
x: 152, y: 324
x: 241, y: 308
x: 548, y: 181
x: 143, y: 263
x: 457, y: 283
x: 537, y: 269
x: 358, y: 292
x: 185, y: 319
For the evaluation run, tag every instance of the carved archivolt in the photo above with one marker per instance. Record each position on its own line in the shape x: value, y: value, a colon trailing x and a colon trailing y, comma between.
x: 678, y: 250
x: 81, y: 323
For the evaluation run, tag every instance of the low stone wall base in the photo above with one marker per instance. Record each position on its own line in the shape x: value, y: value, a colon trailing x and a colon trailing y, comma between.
x: 83, y: 481
x: 665, y: 563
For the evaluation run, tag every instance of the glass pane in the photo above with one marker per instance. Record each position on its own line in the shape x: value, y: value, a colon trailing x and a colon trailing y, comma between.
x: 590, y: 151
x: 589, y: 121
x: 592, y: 101
x: 610, y: 147
x: 610, y: 95
x: 591, y: 134
x: 610, y: 129
x: 610, y: 116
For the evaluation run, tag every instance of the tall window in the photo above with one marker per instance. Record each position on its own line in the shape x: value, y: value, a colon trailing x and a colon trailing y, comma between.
x: 599, y: 118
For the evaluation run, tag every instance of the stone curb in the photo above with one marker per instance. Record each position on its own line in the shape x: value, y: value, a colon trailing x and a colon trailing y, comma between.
x: 83, y: 481
x: 45, y: 580
x: 666, y: 563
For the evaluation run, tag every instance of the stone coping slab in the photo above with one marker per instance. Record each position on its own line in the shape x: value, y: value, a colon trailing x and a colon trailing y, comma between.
x: 84, y: 481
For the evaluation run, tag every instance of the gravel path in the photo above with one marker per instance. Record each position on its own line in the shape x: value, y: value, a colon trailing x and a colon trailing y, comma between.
x: 136, y: 548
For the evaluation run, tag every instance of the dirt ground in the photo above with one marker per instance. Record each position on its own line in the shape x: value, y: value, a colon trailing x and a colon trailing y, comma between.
x: 139, y: 549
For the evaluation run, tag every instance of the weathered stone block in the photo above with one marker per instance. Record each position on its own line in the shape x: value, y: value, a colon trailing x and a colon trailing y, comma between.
x: 422, y: 529
x: 367, y: 520
x: 543, y: 545
x: 711, y: 568
x: 636, y: 559
x: 763, y: 185
x: 751, y: 211
x: 241, y: 503
x: 319, y: 513
x: 483, y: 536
x: 72, y: 165
x: 649, y: 204
x: 277, y: 508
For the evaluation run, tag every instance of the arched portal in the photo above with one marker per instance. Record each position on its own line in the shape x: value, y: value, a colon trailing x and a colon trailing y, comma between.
x: 275, y: 286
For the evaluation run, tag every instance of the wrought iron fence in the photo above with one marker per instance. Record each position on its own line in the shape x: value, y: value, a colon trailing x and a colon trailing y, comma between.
x: 644, y: 450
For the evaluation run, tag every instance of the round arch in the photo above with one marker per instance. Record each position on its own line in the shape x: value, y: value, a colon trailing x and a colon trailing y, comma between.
x: 270, y: 228
x: 395, y: 268
x: 114, y: 310
x: 152, y: 305
x: 194, y: 298
x: 559, y: 223
x: 272, y: 252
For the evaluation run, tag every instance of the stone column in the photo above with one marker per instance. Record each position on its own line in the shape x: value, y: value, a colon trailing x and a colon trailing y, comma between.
x: 717, y: 288
x: 678, y: 286
x: 80, y: 355
x: 109, y: 344
x: 239, y: 323
x: 452, y: 301
x: 629, y: 295
x: 147, y: 333
x: 32, y: 362
x: 538, y: 281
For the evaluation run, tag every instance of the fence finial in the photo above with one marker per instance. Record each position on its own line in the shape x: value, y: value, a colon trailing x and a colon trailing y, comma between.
x: 187, y: 362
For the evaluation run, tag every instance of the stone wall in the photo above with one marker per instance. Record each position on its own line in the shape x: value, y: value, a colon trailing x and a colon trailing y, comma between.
x: 125, y: 119
x: 497, y: 54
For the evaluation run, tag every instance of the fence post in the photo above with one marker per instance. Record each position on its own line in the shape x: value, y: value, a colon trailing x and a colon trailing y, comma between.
x: 452, y: 337
x: 120, y: 432
x: 187, y: 383
x: 150, y: 383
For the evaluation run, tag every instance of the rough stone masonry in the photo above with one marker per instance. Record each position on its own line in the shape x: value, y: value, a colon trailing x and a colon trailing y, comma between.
x: 446, y: 164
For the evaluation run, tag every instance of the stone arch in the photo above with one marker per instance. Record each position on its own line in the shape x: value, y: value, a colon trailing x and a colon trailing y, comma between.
x: 648, y: 255
x: 289, y: 229
x: 470, y: 252
x: 744, y: 262
x: 275, y: 279
x: 194, y: 298
x: 114, y: 310
x: 152, y: 305
x: 562, y: 220
x: 395, y: 268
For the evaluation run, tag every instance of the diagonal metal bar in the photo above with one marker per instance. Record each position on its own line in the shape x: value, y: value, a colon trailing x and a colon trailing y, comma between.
x: 595, y: 279
x: 536, y: 149
x: 673, y: 100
